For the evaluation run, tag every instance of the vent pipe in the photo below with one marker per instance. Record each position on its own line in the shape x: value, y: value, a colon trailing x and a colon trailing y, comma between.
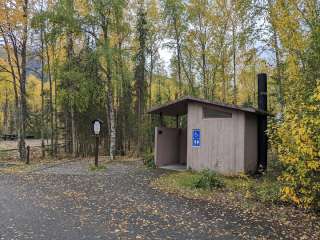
x: 262, y: 122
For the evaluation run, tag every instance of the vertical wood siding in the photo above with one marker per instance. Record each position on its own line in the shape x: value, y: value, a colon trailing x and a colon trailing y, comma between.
x: 222, y: 141
x: 166, y: 146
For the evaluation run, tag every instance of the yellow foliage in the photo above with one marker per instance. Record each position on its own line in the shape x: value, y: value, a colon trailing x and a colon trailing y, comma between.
x: 296, y: 136
x: 34, y: 93
x: 298, y: 141
x: 163, y: 89
x: 289, y: 193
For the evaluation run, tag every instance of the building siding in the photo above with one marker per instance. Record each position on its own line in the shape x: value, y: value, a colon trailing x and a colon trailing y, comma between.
x: 170, y: 146
x: 166, y: 146
x: 222, y: 141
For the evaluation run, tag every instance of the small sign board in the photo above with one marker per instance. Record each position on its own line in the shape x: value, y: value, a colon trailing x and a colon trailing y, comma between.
x: 196, y: 136
x: 96, y: 126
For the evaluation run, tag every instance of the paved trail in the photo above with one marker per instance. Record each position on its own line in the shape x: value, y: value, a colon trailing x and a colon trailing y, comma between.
x: 70, y: 202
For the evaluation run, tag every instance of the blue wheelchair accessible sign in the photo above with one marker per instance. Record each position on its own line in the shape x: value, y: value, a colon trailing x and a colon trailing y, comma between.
x: 195, y: 137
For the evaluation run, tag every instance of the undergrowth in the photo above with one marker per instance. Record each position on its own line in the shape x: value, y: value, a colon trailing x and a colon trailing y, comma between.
x: 207, y: 180
x: 100, y: 167
x: 148, y: 160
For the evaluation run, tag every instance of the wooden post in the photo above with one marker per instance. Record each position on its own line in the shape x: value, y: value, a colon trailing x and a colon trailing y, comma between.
x: 96, y: 158
x: 28, y: 155
x: 262, y: 121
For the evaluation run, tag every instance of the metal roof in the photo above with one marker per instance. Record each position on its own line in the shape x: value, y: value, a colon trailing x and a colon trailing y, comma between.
x: 180, y: 107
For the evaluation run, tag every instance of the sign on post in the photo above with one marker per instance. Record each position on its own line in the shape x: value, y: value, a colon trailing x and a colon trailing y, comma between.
x: 96, y: 130
x: 96, y: 127
x: 196, y: 138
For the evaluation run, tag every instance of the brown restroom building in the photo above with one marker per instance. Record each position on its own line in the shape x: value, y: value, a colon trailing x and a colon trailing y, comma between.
x: 220, y: 137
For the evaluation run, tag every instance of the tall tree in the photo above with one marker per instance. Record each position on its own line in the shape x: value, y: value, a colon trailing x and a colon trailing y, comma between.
x: 139, y: 74
x: 14, y: 30
x: 174, y: 18
x: 153, y: 41
x: 199, y: 15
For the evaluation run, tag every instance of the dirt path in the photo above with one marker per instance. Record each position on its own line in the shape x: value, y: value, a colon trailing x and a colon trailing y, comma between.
x: 14, y: 144
x: 70, y: 202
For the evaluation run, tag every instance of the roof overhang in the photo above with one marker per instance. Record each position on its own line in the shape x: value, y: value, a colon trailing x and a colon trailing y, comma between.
x: 180, y: 107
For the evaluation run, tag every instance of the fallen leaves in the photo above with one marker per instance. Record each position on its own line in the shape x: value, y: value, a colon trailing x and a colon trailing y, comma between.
x: 283, y: 221
x: 67, y: 201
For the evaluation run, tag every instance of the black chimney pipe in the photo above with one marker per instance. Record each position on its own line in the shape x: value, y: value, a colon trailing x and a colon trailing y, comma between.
x: 262, y: 122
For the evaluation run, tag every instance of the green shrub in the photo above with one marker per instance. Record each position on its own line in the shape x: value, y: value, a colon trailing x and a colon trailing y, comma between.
x: 148, y: 161
x: 207, y: 180
x: 268, y: 191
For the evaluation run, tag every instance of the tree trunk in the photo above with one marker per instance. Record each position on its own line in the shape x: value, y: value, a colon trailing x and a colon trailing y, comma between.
x: 73, y: 132
x: 123, y: 110
x: 178, y: 47
x: 279, y: 72
x: 203, y: 43
x: 73, y: 143
x: 23, y: 100
x: 204, y: 75
x: 67, y: 147
x: 112, y: 122
x: 5, y: 113
x: 140, y: 75
x: 110, y: 107
x: 42, y: 96
x: 188, y: 73
x: 224, y: 84
x: 151, y: 78
x: 56, y: 116
x: 50, y: 98
x: 278, y: 59
x: 14, y: 80
x: 234, y: 49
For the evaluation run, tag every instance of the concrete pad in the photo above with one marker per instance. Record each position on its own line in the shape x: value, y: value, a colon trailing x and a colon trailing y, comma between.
x: 175, y: 167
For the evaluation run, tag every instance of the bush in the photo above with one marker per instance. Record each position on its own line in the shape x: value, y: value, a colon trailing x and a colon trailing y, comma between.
x: 267, y: 191
x: 148, y: 161
x: 207, y: 180
x: 298, y: 147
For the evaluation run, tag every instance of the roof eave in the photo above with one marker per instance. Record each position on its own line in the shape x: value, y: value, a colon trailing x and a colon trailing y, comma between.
x: 188, y: 99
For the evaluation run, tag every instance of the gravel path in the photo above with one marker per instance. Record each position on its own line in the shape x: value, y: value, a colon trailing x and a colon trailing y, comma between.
x: 69, y: 202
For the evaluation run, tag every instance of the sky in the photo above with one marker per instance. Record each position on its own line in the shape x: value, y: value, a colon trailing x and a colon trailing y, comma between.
x: 165, y: 56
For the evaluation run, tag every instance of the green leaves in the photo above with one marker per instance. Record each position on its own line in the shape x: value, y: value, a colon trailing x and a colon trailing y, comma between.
x: 207, y: 180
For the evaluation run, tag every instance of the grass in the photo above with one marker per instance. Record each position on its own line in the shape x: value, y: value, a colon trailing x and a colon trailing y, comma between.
x: 265, y: 189
x: 181, y: 183
x: 3, y: 154
x: 100, y: 167
x: 206, y: 184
